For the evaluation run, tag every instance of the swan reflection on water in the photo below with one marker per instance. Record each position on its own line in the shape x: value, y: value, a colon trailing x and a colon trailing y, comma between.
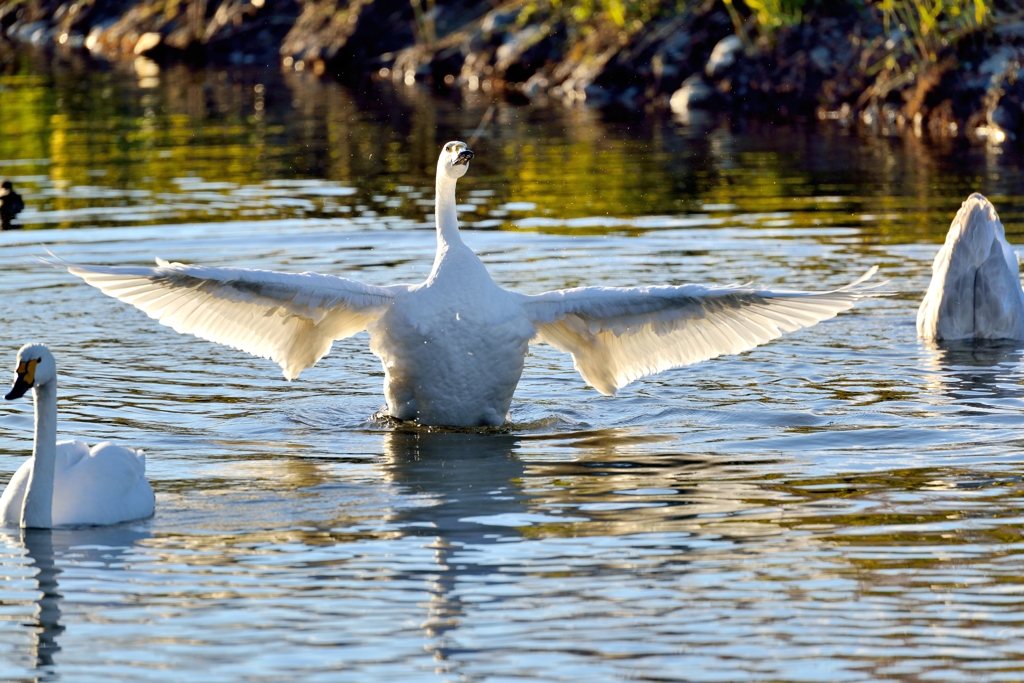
x: 45, y: 623
x: 476, y: 496
x: 470, y: 486
x: 972, y: 371
x: 96, y: 546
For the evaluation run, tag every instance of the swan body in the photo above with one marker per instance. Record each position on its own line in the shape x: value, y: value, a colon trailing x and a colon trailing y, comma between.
x: 68, y: 483
x: 460, y: 364
x: 975, y: 291
x: 102, y: 485
x: 453, y: 346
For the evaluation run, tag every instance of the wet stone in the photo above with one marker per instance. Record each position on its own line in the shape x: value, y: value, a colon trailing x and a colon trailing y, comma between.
x: 695, y: 93
x: 723, y: 56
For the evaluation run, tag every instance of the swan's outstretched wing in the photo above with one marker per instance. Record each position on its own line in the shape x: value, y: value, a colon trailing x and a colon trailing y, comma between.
x: 617, y: 335
x: 290, y: 318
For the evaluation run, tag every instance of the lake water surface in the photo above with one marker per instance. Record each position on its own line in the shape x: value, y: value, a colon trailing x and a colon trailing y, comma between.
x: 842, y: 504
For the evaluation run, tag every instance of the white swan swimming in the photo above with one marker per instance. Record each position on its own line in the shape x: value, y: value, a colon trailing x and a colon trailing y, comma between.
x: 66, y: 483
x: 453, y: 346
x: 975, y: 292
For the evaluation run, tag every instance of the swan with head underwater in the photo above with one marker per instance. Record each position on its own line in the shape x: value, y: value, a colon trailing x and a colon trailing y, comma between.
x: 975, y: 290
x: 68, y: 483
x: 453, y: 346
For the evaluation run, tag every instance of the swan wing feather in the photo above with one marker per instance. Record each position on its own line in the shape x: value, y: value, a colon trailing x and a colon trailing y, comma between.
x: 290, y: 318
x: 617, y: 334
x: 104, y: 484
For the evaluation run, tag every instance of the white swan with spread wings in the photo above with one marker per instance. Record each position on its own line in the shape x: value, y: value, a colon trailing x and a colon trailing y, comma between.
x: 453, y: 346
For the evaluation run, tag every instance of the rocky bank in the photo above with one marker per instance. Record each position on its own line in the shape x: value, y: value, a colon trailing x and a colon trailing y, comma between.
x: 838, y: 63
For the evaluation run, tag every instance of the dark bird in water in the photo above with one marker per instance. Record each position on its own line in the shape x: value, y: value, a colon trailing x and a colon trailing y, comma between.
x: 11, y: 204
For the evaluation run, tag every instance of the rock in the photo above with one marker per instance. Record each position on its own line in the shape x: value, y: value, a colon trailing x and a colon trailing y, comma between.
x: 227, y: 32
x: 26, y: 32
x: 1012, y: 29
x: 594, y: 95
x: 821, y: 58
x: 1004, y: 105
x: 516, y: 44
x: 536, y: 86
x: 499, y: 20
x: 827, y: 60
x: 694, y: 94
x: 74, y: 40
x: 445, y: 66
x: 92, y: 41
x: 1006, y: 116
x: 41, y: 36
x: 896, y: 36
x: 870, y: 115
x: 1000, y: 62
x: 723, y: 56
x: 629, y: 99
x: 662, y: 70
x: 147, y: 41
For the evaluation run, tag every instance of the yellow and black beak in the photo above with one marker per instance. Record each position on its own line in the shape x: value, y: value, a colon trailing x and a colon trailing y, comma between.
x: 25, y: 380
x: 464, y: 157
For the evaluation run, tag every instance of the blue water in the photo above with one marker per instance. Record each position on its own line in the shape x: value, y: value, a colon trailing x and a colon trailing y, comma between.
x: 842, y: 504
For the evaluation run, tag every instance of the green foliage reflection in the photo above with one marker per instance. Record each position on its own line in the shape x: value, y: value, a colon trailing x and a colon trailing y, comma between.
x: 95, y: 149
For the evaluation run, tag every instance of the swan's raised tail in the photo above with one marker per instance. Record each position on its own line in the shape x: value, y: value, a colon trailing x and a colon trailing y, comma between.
x: 975, y: 291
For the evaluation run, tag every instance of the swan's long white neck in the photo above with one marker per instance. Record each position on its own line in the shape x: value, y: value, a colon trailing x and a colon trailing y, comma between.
x: 37, y: 510
x: 444, y: 213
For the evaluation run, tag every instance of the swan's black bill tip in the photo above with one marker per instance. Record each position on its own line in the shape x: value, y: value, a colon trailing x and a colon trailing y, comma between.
x: 464, y: 156
x: 18, y: 390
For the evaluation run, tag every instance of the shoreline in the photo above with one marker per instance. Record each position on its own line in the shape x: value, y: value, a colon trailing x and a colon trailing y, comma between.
x: 963, y: 79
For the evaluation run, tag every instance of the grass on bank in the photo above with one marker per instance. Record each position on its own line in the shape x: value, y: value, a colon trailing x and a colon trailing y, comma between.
x: 913, y: 38
x: 922, y: 28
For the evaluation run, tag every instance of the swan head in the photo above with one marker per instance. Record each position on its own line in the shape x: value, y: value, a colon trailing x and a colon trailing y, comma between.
x: 454, y: 160
x: 36, y: 366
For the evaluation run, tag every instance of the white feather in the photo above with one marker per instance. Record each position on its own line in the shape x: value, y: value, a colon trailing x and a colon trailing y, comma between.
x: 291, y: 319
x: 975, y: 290
x: 617, y: 335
